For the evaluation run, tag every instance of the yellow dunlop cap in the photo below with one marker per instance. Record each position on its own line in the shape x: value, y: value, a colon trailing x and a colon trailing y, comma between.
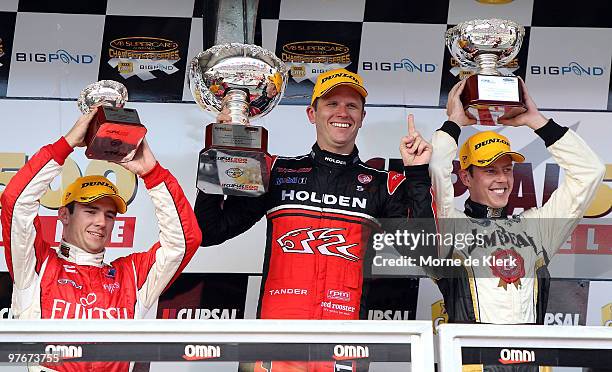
x: 484, y: 148
x: 277, y: 80
x: 333, y: 78
x: 91, y: 188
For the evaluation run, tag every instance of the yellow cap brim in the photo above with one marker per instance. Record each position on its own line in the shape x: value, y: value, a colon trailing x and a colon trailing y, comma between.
x: 119, y: 202
x: 517, y: 157
x: 358, y: 88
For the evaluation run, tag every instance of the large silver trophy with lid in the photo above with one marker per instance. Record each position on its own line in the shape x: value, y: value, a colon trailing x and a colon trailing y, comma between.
x: 247, y: 82
x: 115, y: 132
x: 484, y: 45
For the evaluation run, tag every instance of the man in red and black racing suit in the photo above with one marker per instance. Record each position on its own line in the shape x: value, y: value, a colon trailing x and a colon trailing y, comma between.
x: 72, y: 281
x: 321, y: 209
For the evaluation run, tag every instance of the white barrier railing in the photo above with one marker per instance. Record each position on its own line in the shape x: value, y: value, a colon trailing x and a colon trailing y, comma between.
x: 515, y: 341
x: 417, y: 336
x: 412, y: 340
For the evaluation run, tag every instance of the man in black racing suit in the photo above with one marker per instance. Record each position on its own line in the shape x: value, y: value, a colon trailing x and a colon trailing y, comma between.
x: 321, y: 210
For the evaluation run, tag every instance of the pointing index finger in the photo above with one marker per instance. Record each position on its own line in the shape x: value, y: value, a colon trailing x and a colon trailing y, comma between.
x: 411, y: 128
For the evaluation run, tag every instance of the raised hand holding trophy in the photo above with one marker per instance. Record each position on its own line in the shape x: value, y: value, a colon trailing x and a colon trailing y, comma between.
x: 114, y: 133
x: 247, y: 81
x: 485, y: 45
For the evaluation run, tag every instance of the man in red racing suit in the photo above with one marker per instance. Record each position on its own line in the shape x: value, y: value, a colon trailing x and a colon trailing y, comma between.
x: 321, y: 209
x: 73, y: 282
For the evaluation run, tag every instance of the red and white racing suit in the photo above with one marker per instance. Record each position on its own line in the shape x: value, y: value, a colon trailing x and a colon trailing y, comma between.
x: 69, y: 283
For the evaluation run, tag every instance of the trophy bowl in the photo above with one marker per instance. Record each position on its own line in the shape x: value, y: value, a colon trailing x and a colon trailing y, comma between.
x: 249, y: 82
x: 218, y: 75
x: 498, y: 38
x: 108, y: 92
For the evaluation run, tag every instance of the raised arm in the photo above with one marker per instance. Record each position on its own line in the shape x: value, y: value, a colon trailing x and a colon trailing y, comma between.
x: 222, y: 218
x: 25, y: 249
x: 179, y: 235
x: 445, y: 143
x: 583, y: 173
x: 414, y: 194
x: 416, y: 154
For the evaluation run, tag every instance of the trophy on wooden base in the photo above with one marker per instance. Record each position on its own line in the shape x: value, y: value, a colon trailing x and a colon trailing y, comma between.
x: 246, y: 81
x: 484, y: 45
x: 114, y: 133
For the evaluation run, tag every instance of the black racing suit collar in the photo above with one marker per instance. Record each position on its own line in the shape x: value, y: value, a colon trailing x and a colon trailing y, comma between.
x: 477, y: 210
x: 332, y: 159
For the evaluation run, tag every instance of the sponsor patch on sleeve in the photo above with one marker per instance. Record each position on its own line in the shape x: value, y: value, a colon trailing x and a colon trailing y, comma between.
x: 393, y: 181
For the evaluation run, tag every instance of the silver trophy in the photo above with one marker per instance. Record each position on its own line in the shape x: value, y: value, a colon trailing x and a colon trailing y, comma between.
x: 114, y: 133
x: 106, y: 92
x: 247, y: 82
x: 484, y: 45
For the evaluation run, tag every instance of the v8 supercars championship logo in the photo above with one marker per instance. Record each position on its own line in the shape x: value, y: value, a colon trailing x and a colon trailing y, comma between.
x: 307, y: 59
x: 141, y: 55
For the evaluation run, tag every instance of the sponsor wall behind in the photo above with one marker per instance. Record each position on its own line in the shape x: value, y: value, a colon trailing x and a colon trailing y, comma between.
x: 48, y: 54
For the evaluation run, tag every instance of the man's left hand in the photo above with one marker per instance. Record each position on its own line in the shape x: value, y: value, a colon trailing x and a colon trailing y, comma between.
x: 413, y: 148
x: 531, y: 118
x: 143, y: 161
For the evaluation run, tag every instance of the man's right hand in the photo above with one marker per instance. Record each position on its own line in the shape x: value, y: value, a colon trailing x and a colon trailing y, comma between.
x: 413, y: 148
x: 224, y: 116
x: 76, y: 136
x: 454, y: 107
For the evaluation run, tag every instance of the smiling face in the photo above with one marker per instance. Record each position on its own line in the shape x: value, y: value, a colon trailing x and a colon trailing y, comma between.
x: 271, y: 90
x: 337, y: 117
x: 490, y: 185
x: 89, y: 226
